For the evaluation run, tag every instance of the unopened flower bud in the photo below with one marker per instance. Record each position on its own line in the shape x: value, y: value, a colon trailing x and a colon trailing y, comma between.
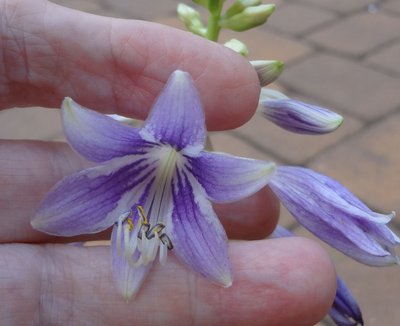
x: 267, y: 70
x: 239, y: 5
x: 191, y: 18
x: 237, y: 46
x: 300, y: 117
x: 248, y: 18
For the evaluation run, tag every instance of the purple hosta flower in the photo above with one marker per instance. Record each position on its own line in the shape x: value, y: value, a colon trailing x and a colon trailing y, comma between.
x: 297, y: 116
x: 335, y: 215
x: 153, y: 185
x: 345, y: 310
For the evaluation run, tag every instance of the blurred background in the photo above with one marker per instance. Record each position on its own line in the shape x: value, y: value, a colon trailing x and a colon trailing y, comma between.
x: 342, y: 54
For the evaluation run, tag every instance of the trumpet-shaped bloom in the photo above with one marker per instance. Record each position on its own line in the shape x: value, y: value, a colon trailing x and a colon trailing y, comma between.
x: 345, y: 310
x: 296, y: 116
x: 335, y: 215
x: 153, y: 184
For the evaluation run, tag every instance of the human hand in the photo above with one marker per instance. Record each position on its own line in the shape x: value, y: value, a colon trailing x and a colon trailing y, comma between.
x: 121, y: 65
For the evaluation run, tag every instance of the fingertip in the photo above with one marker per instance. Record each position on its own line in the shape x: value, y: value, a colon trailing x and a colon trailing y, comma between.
x: 227, y: 84
x: 293, y: 279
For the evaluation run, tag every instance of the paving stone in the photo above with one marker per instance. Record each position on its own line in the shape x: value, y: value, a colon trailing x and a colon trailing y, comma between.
x: 375, y: 288
x: 369, y: 165
x: 289, y: 147
x: 269, y: 45
x: 392, y: 6
x: 358, y: 34
x: 30, y: 123
x: 387, y: 58
x: 230, y: 143
x: 296, y: 19
x: 342, y: 6
x: 344, y: 85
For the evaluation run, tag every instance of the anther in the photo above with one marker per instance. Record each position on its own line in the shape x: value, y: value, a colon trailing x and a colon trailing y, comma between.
x: 155, y: 229
x: 166, y: 241
x: 144, y: 229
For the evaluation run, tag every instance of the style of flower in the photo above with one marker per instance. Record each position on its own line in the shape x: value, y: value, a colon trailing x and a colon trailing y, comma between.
x: 332, y: 213
x: 153, y: 184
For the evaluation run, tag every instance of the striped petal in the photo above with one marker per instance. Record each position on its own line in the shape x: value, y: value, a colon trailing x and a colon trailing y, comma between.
x: 98, y: 137
x: 198, y: 237
x: 92, y: 200
x: 177, y: 116
x: 127, y: 279
x: 227, y: 178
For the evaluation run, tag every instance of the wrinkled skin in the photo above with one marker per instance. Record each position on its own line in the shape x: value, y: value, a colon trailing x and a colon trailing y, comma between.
x: 48, y: 52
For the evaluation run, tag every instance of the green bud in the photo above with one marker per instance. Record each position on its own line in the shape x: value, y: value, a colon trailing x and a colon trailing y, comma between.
x: 248, y: 18
x: 267, y: 70
x: 191, y: 18
x: 237, y: 46
x: 239, y: 5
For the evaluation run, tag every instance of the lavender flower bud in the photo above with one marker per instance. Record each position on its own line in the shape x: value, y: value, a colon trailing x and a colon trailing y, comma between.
x: 267, y: 70
x: 299, y: 117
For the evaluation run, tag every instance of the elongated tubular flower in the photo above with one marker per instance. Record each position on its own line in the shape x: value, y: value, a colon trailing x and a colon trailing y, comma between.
x: 345, y: 310
x: 153, y: 184
x: 335, y: 215
x: 296, y: 116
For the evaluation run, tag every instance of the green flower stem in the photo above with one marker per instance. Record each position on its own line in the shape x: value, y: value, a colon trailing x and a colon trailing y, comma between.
x: 213, y: 27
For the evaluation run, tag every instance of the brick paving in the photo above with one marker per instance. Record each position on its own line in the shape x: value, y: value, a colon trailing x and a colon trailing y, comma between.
x: 338, y: 53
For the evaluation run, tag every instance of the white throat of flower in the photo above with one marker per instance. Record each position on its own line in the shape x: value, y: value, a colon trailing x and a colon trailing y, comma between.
x: 141, y: 241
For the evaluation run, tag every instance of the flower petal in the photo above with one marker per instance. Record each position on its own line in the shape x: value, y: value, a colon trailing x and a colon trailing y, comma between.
x: 96, y: 136
x: 92, y: 200
x: 198, y: 237
x: 177, y: 116
x: 127, y: 279
x: 335, y: 215
x: 227, y: 178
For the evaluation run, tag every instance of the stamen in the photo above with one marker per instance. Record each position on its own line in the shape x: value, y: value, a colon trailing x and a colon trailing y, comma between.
x: 130, y: 223
x: 166, y: 241
x: 144, y: 229
x: 126, y: 236
x: 163, y: 254
x: 133, y: 242
x: 142, y: 242
x: 142, y: 214
x: 119, y: 233
x: 155, y: 229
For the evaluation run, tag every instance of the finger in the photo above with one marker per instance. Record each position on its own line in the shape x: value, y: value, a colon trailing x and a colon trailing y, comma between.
x: 28, y: 169
x: 276, y: 282
x: 115, y: 65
